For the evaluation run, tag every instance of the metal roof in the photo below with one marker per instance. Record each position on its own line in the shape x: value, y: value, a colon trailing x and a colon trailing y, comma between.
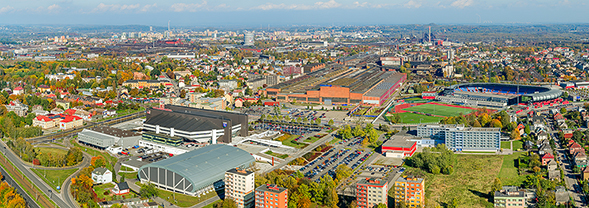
x: 205, y: 165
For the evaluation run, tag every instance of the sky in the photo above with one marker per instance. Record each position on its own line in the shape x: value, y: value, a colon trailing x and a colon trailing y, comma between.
x: 264, y: 13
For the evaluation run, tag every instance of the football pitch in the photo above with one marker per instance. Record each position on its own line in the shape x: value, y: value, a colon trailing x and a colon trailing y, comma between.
x: 439, y: 110
x: 412, y: 118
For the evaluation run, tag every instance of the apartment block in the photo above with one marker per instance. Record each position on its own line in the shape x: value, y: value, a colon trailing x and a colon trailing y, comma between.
x: 513, y: 197
x: 460, y: 138
x: 271, y: 196
x: 411, y: 190
x: 371, y: 191
x: 239, y: 186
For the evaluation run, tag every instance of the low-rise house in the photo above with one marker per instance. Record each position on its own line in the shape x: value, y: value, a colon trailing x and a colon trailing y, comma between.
x: 18, y: 91
x: 38, y: 110
x: 120, y: 188
x: 547, y: 158
x: 574, y: 148
x: 56, y: 111
x: 580, y: 159
x: 44, y: 122
x: 553, y: 172
x: 101, y: 175
x: 562, y: 195
x: 542, y: 136
x: 585, y: 173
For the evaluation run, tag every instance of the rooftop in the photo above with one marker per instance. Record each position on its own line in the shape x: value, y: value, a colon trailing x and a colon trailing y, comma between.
x: 114, y: 131
x: 373, y: 181
x: 270, y: 188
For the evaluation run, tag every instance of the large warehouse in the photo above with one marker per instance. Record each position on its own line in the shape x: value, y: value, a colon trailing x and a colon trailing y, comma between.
x: 196, y: 172
x: 103, y: 137
x: 340, y: 86
x: 193, y: 124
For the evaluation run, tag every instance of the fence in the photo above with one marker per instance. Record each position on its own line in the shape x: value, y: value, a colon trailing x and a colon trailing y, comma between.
x: 26, y: 184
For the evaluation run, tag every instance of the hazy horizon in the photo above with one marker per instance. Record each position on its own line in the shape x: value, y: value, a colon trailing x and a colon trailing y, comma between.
x: 256, y: 13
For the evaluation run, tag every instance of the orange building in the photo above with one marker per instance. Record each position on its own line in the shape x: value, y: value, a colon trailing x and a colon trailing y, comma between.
x: 411, y: 190
x: 367, y: 87
x: 270, y: 195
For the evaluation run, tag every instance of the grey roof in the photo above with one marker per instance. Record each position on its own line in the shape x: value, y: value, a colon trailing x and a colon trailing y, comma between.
x: 205, y: 165
x: 181, y: 121
x: 123, y: 185
x: 114, y: 131
x: 391, y: 79
x: 99, y: 171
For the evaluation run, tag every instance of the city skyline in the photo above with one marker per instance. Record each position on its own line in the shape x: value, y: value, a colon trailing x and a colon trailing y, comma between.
x: 286, y: 13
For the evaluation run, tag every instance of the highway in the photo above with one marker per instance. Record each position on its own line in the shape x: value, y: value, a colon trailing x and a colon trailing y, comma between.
x: 33, y: 177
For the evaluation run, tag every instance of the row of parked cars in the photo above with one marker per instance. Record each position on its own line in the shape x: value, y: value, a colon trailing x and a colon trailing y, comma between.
x: 355, y: 165
x: 326, y: 163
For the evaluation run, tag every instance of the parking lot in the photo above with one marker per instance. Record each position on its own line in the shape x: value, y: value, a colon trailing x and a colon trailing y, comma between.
x: 347, y: 153
x: 291, y: 129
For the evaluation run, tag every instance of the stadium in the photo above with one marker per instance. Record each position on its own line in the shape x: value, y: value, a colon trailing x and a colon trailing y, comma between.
x: 196, y: 172
x: 496, y: 95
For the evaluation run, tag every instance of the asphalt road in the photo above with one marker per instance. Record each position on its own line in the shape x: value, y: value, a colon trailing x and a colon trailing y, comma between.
x: 33, y: 177
x: 30, y: 202
x: 569, y: 176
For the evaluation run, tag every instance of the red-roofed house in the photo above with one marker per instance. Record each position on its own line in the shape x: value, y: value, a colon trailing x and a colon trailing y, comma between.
x: 546, y: 158
x: 574, y: 148
x: 18, y: 91
x: 70, y: 122
x: 521, y: 128
x: 70, y: 111
x: 238, y: 103
x: 44, y: 122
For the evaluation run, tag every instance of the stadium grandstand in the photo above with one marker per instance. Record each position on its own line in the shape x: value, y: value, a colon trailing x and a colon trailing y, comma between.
x: 575, y: 85
x: 496, y: 95
x: 196, y: 172
x: 339, y: 85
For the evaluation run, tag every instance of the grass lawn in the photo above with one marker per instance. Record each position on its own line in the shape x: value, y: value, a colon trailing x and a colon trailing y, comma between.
x: 334, y: 140
x: 281, y: 156
x: 110, y: 160
x: 128, y: 175
x: 100, y: 189
x: 470, y: 183
x: 53, y: 151
x: 439, y: 110
x: 211, y: 205
x: 311, y: 139
x: 506, y: 145
x: 416, y: 100
x: 519, y: 144
x: 54, y: 177
x: 508, y: 174
x: 412, y: 118
x: 291, y: 142
x: 124, y: 168
x: 181, y: 199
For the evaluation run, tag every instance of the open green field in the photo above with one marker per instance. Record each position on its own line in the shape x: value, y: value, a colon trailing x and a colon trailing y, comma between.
x: 470, y: 183
x: 439, y: 110
x: 519, y: 144
x: 412, y: 118
x: 508, y: 174
x: 54, y: 178
x: 505, y: 145
x: 416, y: 100
x: 131, y: 175
x: 53, y: 151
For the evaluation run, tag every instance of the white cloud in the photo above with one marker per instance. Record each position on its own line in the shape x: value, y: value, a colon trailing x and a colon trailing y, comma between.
x: 115, y: 7
x: 181, y: 7
x: 413, y: 4
x: 462, y: 3
x: 318, y: 5
x: 367, y: 5
x: 6, y: 9
x: 53, y: 7
x: 147, y: 7
x: 327, y: 5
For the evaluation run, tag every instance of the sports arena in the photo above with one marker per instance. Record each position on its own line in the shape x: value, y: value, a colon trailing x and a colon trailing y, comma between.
x: 496, y: 95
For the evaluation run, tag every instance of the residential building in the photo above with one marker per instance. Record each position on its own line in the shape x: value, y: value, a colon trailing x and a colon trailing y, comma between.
x: 18, y: 91
x: 17, y: 107
x: 510, y: 197
x: 146, y: 83
x: 411, y: 190
x: 101, y: 175
x: 227, y: 84
x: 546, y: 158
x: 270, y: 195
x: 62, y: 103
x: 371, y: 191
x: 255, y: 84
x: 460, y: 138
x: 239, y: 186
x: 561, y: 195
x: 120, y: 188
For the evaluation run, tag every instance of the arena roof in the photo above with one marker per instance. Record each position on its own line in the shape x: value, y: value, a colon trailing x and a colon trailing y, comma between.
x: 204, y: 166
x: 537, y: 93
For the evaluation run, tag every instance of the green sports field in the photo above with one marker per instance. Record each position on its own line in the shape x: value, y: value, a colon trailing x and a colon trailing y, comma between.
x: 439, y: 110
x: 412, y: 118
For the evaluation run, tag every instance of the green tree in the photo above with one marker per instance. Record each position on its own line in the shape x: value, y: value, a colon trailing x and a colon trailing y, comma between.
x: 148, y: 191
x: 496, y: 186
x: 563, y: 111
x: 330, y: 122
